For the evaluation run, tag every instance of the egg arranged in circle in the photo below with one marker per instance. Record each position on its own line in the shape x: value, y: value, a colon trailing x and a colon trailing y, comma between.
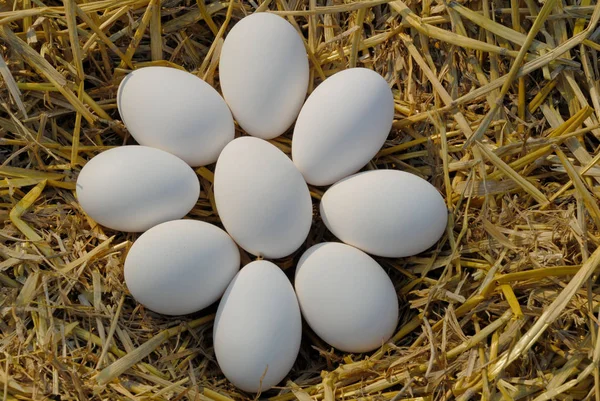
x: 257, y: 328
x: 342, y: 125
x: 133, y: 188
x: 388, y: 213
x: 263, y: 71
x: 181, y: 266
x: 346, y: 297
x: 173, y: 110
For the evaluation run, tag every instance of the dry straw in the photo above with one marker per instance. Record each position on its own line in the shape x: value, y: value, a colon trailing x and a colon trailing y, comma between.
x: 497, y: 104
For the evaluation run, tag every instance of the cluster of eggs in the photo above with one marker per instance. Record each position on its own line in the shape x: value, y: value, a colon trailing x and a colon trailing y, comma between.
x: 179, y: 266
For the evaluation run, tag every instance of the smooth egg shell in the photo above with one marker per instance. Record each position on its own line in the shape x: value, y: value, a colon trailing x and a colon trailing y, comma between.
x: 342, y: 125
x: 181, y: 266
x: 387, y: 213
x: 133, y: 188
x: 346, y: 297
x: 263, y: 71
x: 177, y: 112
x: 261, y: 198
x: 257, y: 328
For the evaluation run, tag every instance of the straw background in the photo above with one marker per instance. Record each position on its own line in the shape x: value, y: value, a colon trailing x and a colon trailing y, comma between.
x: 497, y: 105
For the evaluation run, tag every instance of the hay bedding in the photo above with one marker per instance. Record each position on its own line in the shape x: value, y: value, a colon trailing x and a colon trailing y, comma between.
x: 503, y: 122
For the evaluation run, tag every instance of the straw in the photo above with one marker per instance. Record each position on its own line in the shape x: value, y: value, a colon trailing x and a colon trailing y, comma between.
x: 497, y: 107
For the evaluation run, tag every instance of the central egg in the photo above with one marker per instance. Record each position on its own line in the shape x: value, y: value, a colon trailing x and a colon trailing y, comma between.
x: 261, y: 198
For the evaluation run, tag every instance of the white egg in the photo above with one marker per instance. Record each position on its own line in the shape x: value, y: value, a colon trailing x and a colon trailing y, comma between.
x: 342, y: 125
x: 387, y: 213
x: 133, y: 188
x: 263, y: 71
x: 181, y: 266
x: 257, y: 328
x: 346, y: 297
x: 177, y: 112
x: 262, y: 198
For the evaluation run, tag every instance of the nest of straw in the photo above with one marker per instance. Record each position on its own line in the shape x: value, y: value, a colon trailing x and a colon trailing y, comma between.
x: 497, y: 105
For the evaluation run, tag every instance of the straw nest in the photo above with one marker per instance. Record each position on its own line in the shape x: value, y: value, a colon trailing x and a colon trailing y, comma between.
x: 497, y: 105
